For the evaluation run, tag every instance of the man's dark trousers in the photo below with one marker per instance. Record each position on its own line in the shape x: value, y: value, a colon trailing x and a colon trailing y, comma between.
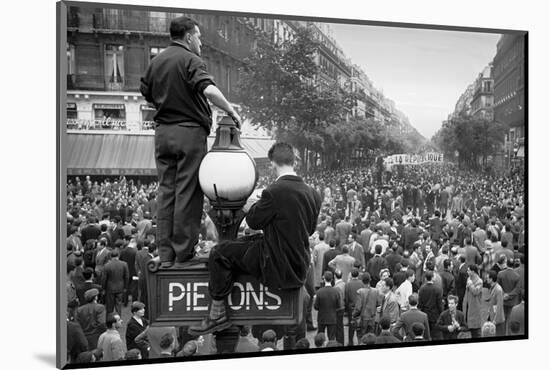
x: 331, y: 330
x: 340, y: 326
x: 179, y: 149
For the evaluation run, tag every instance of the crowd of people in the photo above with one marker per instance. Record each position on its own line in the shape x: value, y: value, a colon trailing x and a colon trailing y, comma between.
x: 425, y: 253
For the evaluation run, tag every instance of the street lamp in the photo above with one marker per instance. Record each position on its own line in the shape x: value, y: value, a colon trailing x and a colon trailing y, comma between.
x: 227, y: 176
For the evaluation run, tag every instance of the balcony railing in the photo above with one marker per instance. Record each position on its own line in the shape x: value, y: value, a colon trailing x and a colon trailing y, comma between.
x: 109, y: 125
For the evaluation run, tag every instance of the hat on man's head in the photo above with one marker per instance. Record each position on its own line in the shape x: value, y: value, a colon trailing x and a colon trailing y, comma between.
x: 90, y: 294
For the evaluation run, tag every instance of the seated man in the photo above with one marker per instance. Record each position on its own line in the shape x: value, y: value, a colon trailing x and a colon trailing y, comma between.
x: 287, y: 213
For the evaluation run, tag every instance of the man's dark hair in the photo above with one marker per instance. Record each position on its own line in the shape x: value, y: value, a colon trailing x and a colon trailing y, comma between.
x: 462, y: 258
x: 368, y: 338
x: 493, y: 275
x: 180, y: 26
x: 321, y: 236
x: 111, y: 319
x: 345, y: 249
x: 281, y: 154
x: 468, y: 241
x: 114, y: 253
x: 88, y: 273
x: 332, y: 243
x: 385, y: 323
x: 103, y: 228
x: 365, y: 278
x: 429, y: 275
x: 354, y: 273
x: 446, y: 263
x: 166, y: 341
x: 389, y: 282
x: 377, y: 249
x: 338, y: 274
x: 303, y: 343
x: 451, y: 297
x: 319, y: 340
x: 474, y: 268
x: 418, y: 329
x: 413, y: 299
x: 328, y: 276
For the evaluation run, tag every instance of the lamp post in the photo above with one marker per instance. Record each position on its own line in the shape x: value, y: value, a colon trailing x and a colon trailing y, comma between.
x: 227, y: 176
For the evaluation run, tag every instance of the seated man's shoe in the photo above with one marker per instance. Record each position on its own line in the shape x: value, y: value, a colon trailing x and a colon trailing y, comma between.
x: 209, y: 325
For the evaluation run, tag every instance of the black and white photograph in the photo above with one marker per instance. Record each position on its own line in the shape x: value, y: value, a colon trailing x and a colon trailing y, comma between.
x: 233, y: 183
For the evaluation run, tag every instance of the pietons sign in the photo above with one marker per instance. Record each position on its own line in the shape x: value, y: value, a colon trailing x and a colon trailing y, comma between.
x: 180, y: 297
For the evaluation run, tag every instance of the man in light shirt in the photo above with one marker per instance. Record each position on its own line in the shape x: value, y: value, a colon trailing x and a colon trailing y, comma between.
x: 405, y: 290
x: 110, y: 342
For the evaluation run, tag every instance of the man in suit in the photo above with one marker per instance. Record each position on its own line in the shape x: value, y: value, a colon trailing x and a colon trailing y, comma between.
x: 461, y: 279
x: 343, y: 229
x: 389, y: 307
x: 451, y: 321
x: 430, y: 298
x: 470, y: 252
x: 128, y: 255
x: 143, y: 256
x: 356, y: 250
x: 318, y: 254
x: 350, y: 299
x: 136, y: 328
x: 344, y: 263
x: 90, y: 231
x: 364, y: 312
x: 115, y: 282
x: 509, y: 280
x: 91, y: 318
x: 279, y: 258
x: 329, y: 256
x: 327, y: 302
x: 375, y: 264
x: 408, y: 318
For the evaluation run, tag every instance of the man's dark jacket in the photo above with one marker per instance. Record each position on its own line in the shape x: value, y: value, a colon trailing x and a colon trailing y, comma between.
x: 115, y: 276
x: 327, y: 301
x: 287, y: 213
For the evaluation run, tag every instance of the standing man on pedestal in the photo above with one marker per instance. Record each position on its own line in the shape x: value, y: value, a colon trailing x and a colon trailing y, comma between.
x: 280, y: 257
x: 177, y: 84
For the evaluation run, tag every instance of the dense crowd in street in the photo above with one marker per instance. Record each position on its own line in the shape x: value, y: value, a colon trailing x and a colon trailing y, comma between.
x: 426, y: 252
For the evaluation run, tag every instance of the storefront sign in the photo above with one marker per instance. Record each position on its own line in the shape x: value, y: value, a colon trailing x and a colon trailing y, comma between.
x: 109, y: 106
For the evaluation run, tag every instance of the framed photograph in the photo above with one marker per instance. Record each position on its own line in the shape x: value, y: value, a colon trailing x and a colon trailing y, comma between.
x: 231, y: 184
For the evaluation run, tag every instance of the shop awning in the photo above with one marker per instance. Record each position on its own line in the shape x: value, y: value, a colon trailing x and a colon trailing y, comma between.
x: 117, y: 154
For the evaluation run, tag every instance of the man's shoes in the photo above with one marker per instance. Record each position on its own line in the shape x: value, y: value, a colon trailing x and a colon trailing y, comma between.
x: 209, y: 325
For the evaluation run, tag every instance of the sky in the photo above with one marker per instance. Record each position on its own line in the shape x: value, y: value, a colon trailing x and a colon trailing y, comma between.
x: 423, y: 71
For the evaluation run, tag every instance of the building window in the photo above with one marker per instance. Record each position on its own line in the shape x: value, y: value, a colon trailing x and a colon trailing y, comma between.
x: 71, y: 111
x: 70, y: 59
x: 154, y: 51
x: 114, y: 66
x: 70, y: 67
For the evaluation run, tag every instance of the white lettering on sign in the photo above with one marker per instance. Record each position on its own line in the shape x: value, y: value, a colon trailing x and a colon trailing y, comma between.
x: 242, y: 297
x: 171, y: 297
x: 197, y: 296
